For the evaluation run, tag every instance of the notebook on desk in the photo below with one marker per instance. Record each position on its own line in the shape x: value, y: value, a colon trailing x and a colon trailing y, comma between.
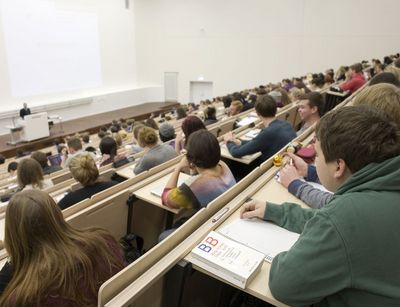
x: 157, y: 191
x: 262, y: 236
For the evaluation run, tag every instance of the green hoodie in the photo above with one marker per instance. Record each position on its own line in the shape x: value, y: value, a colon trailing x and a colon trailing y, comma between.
x: 348, y: 253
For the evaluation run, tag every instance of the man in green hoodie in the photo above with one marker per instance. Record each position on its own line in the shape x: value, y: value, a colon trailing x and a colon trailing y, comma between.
x: 348, y: 253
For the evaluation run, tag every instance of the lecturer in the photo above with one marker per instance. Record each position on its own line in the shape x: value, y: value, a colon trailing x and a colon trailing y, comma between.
x: 24, y: 111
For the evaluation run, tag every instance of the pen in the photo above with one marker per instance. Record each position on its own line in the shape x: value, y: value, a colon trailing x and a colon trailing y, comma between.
x: 221, y: 214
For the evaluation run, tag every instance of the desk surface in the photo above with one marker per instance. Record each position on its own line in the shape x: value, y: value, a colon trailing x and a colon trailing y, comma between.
x: 127, y: 172
x: 245, y: 159
x: 146, y: 195
x: 258, y: 287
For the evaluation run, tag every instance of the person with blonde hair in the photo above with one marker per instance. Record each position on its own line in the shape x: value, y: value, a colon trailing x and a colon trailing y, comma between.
x: 235, y: 108
x: 51, y: 263
x: 30, y: 175
x: 383, y: 96
x: 84, y: 170
x: 155, y: 153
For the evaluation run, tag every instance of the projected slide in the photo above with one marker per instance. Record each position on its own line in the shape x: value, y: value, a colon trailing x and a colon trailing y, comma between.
x: 50, y: 49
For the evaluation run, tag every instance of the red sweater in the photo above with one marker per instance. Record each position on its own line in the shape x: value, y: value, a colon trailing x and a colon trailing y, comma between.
x: 354, y: 83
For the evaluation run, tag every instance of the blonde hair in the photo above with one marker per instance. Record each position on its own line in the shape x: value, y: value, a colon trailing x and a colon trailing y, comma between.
x: 84, y: 169
x: 147, y: 137
x: 238, y: 105
x: 50, y: 258
x: 383, y: 96
x: 394, y: 70
x: 30, y: 172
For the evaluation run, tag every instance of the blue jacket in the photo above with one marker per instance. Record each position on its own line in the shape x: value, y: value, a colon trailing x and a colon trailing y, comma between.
x: 269, y: 141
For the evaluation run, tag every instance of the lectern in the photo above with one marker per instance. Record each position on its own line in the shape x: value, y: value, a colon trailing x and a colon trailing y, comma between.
x: 35, y: 127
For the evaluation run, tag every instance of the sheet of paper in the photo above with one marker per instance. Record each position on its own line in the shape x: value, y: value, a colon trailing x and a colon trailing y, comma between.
x: 262, y: 236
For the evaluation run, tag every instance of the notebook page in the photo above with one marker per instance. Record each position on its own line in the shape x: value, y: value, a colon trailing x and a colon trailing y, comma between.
x: 262, y: 236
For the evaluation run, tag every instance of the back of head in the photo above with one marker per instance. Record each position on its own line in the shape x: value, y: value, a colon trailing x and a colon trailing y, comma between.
x: 136, y: 130
x: 385, y: 77
x: 29, y: 172
x: 315, y: 99
x: 40, y: 157
x: 86, y: 138
x: 396, y: 72
x: 359, y: 135
x: 49, y: 257
x: 180, y: 112
x: 191, y: 124
x: 108, y: 146
x: 397, y: 63
x: 384, y: 96
x: 210, y: 112
x: 266, y: 106
x: 238, y: 105
x: 2, y: 159
x: 150, y: 122
x: 167, y: 132
x: 74, y: 143
x: 203, y: 149
x: 12, y: 166
x: 147, y: 137
x: 83, y: 168
x: 357, y: 67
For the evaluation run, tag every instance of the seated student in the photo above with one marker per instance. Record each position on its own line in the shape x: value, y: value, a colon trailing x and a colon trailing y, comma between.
x: 385, y: 77
x: 385, y: 97
x: 2, y: 159
x: 30, y: 175
x: 12, y: 169
x: 180, y: 113
x: 347, y: 253
x: 84, y: 170
x: 213, y: 176
x: 275, y: 134
x: 74, y: 148
x: 210, y: 115
x: 310, y: 110
x: 356, y: 81
x: 155, y: 154
x: 167, y: 133
x: 108, y: 148
x: 50, y: 262
x: 150, y: 122
x: 42, y: 159
x: 189, y: 125
x: 235, y: 108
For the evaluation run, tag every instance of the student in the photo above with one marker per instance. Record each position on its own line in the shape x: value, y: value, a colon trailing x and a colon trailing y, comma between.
x: 2, y: 159
x: 385, y: 77
x: 213, y: 176
x: 108, y: 148
x: 24, y: 111
x: 30, y: 175
x: 356, y: 81
x: 42, y: 159
x: 155, y: 153
x: 347, y: 253
x: 84, y: 170
x: 180, y: 113
x: 52, y: 263
x: 235, y: 108
x: 273, y: 137
x: 189, y: 125
x: 310, y: 110
x: 74, y: 148
x: 167, y: 133
x: 12, y: 169
x: 150, y: 122
x: 210, y: 115
x: 385, y: 97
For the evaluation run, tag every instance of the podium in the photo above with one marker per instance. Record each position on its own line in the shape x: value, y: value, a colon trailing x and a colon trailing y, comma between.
x: 35, y: 126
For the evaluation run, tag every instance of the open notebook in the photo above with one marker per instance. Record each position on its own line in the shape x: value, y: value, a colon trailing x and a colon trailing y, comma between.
x: 261, y: 236
x: 157, y: 191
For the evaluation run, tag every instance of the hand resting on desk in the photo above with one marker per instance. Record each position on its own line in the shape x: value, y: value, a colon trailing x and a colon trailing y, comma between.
x: 252, y: 209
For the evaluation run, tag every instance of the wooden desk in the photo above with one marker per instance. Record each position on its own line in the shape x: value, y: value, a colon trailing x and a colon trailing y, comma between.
x: 146, y: 195
x: 272, y: 191
x: 127, y: 172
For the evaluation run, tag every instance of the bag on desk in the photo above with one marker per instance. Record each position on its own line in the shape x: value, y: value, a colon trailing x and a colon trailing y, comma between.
x: 132, y: 246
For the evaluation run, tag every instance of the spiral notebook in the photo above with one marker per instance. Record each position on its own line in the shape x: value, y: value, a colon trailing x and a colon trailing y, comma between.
x: 261, y: 236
